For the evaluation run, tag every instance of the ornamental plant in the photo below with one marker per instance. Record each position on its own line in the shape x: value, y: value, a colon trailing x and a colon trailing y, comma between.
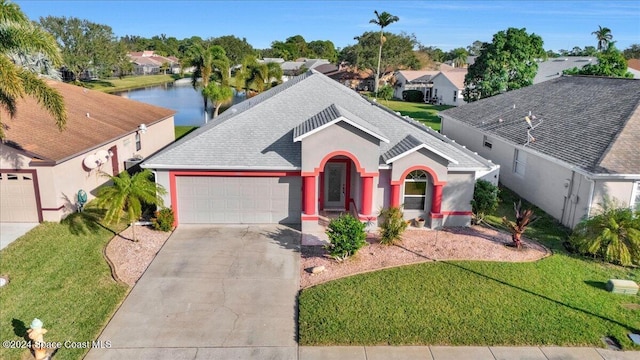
x: 392, y: 226
x: 163, y: 220
x: 485, y: 200
x: 346, y: 237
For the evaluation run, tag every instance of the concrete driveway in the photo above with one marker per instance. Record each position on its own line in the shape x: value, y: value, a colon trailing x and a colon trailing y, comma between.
x: 9, y: 232
x: 226, y: 292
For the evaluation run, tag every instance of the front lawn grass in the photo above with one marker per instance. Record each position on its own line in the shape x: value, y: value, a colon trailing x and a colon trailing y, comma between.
x: 425, y: 113
x: 560, y: 300
x: 61, y: 279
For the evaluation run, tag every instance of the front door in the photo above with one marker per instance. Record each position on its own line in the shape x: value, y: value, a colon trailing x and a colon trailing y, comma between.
x: 334, y: 185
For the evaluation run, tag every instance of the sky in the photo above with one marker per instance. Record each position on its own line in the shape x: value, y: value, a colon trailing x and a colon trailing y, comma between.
x: 443, y: 24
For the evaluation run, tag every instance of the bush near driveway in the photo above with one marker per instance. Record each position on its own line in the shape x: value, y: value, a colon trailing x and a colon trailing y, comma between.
x: 61, y: 279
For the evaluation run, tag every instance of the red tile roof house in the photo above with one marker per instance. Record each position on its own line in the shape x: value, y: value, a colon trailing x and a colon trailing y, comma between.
x: 310, y: 146
x: 42, y: 169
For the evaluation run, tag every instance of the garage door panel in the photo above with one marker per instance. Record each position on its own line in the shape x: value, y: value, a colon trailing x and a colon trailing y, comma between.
x: 17, y: 198
x: 249, y: 200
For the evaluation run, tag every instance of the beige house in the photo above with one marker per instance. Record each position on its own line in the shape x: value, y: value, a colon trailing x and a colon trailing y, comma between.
x: 579, y: 146
x: 447, y: 87
x: 42, y: 169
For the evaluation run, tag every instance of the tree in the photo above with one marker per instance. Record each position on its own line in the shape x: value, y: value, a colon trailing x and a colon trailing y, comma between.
x: 218, y: 94
x: 611, y: 63
x: 85, y: 45
x: 397, y: 53
x: 613, y: 235
x: 523, y: 220
x: 256, y: 75
x: 436, y: 54
x: 632, y: 52
x: 210, y: 63
x: 235, y: 48
x: 323, y: 50
x: 475, y: 48
x: 126, y: 194
x: 603, y: 35
x: 485, y: 200
x: 507, y: 63
x: 18, y: 35
x: 383, y: 20
x: 385, y: 92
x: 458, y: 56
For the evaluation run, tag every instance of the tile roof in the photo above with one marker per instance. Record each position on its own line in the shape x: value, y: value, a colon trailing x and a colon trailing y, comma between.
x: 94, y: 118
x: 590, y: 122
x: 258, y: 133
x: 456, y: 76
x: 634, y: 64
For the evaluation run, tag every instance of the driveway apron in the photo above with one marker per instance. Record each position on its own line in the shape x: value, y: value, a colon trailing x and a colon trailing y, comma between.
x: 212, y: 292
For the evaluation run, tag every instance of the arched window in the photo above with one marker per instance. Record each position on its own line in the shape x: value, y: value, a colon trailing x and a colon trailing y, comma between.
x: 415, y: 190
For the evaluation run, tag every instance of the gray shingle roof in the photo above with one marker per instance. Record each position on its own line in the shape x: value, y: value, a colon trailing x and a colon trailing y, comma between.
x: 553, y: 68
x: 585, y: 120
x: 406, y: 144
x: 330, y: 114
x: 258, y: 133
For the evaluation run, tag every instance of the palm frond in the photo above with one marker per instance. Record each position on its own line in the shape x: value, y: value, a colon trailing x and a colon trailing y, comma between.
x: 46, y: 96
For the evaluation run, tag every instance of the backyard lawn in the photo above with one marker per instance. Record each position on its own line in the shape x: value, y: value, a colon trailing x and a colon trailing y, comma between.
x: 129, y: 82
x: 182, y: 130
x: 559, y: 300
x: 61, y: 279
x: 425, y: 113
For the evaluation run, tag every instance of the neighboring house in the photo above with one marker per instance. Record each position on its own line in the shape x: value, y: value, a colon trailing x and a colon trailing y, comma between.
x: 552, y: 68
x: 583, y: 146
x: 414, y: 80
x: 634, y: 67
x: 149, y: 63
x: 42, y: 169
x: 359, y: 80
x: 310, y: 146
x: 292, y: 69
x: 447, y: 87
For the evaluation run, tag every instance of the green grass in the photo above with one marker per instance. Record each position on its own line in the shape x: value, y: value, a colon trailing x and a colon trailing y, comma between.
x: 559, y: 300
x: 182, y: 130
x: 425, y: 113
x: 130, y: 82
x: 62, y: 279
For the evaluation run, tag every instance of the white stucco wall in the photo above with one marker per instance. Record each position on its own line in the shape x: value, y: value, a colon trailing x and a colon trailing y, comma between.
x: 445, y: 91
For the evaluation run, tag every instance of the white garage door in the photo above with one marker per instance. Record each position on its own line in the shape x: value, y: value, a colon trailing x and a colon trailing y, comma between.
x: 17, y: 198
x: 238, y: 200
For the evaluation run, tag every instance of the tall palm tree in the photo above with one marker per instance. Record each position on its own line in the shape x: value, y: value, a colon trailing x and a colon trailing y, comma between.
x: 126, y: 194
x: 256, y: 75
x: 20, y: 36
x: 210, y: 63
x: 383, y: 20
x: 603, y: 34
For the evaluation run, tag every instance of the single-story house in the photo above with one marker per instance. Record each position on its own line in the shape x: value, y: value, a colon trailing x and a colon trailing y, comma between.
x: 291, y: 69
x: 311, y: 146
x: 149, y: 63
x: 447, y: 87
x: 565, y: 144
x: 42, y: 169
x: 414, y: 80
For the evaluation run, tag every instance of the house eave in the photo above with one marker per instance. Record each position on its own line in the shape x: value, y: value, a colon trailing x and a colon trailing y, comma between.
x: 217, y: 167
x: 422, y: 146
x: 335, y: 121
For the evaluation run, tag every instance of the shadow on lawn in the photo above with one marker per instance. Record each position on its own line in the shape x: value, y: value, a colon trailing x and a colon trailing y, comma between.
x: 597, y: 284
x: 587, y: 312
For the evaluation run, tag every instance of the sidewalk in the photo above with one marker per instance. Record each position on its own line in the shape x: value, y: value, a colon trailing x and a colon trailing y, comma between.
x: 461, y: 353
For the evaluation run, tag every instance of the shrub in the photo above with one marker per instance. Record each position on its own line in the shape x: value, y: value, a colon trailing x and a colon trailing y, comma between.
x: 485, y: 200
x: 392, y: 226
x: 413, y: 96
x: 346, y: 237
x: 164, y: 220
x: 385, y: 92
x: 613, y: 235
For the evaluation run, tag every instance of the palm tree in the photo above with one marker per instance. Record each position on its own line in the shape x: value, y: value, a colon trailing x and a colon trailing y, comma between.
x: 218, y: 94
x: 209, y: 63
x: 613, y: 235
x: 126, y: 194
x: 603, y: 34
x: 20, y: 36
x: 383, y: 20
x: 256, y: 75
x: 460, y: 61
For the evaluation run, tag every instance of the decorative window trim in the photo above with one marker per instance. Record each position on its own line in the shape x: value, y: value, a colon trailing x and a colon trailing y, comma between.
x: 416, y: 176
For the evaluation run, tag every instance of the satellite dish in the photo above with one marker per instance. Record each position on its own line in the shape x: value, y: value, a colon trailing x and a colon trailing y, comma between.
x: 91, y: 162
x: 102, y: 156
